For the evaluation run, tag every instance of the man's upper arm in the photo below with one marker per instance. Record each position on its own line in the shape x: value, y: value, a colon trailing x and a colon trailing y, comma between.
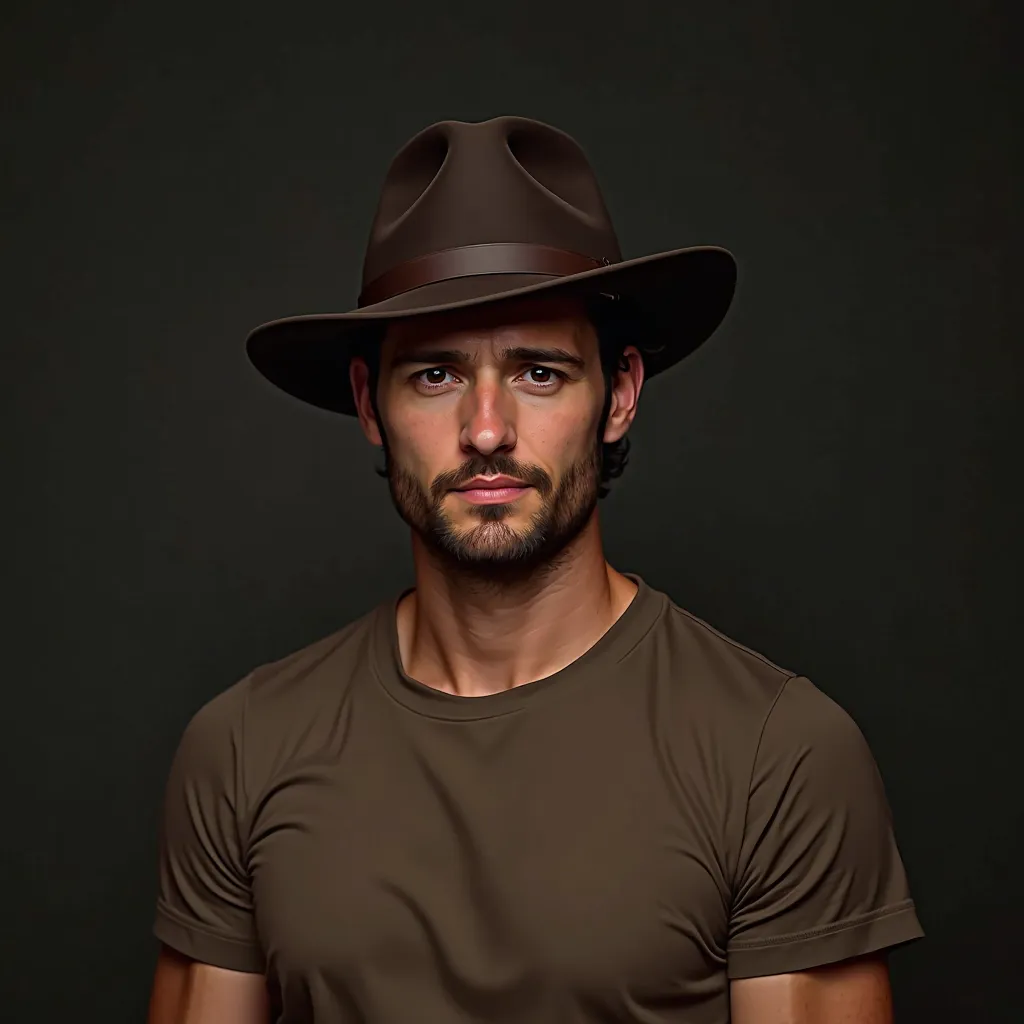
x: 186, y: 991
x: 819, y: 877
x: 854, y: 990
x: 205, y: 907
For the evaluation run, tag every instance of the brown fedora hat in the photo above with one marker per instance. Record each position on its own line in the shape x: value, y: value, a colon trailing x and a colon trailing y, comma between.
x: 480, y: 212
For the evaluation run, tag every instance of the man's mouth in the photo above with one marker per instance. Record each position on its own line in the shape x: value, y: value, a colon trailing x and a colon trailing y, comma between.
x: 481, y: 490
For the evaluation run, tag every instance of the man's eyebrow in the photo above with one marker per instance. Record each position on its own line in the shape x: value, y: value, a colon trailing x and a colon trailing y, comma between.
x: 525, y: 354
x: 519, y: 354
x: 429, y: 356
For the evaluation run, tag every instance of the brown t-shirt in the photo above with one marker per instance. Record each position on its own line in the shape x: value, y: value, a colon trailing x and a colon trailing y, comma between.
x: 614, y: 842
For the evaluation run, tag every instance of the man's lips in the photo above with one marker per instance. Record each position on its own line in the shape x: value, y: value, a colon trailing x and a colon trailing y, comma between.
x: 499, y: 489
x: 480, y: 483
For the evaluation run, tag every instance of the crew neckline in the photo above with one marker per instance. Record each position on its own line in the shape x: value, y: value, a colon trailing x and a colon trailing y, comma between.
x: 616, y: 642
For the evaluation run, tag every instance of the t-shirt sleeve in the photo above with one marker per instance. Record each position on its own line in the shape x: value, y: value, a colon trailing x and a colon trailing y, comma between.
x: 204, y: 902
x: 820, y: 878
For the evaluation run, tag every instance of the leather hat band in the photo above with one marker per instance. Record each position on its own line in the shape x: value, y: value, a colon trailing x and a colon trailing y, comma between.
x: 472, y: 260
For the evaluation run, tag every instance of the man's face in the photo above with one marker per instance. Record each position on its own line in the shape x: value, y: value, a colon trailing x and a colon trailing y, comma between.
x: 514, y: 391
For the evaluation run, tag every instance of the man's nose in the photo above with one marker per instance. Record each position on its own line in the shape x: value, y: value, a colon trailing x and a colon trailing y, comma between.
x: 489, y: 417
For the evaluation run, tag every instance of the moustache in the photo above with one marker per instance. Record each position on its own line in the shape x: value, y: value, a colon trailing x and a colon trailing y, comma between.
x: 498, y: 465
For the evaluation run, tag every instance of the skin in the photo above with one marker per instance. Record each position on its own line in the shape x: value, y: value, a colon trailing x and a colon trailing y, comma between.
x: 850, y: 992
x: 507, y: 593
x: 188, y: 992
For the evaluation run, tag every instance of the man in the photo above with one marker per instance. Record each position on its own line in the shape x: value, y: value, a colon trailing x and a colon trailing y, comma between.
x: 530, y: 788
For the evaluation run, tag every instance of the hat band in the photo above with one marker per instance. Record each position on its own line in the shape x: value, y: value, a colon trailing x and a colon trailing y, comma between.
x: 473, y: 260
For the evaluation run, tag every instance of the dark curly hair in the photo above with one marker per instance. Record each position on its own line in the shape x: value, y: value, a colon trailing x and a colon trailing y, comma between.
x: 617, y: 324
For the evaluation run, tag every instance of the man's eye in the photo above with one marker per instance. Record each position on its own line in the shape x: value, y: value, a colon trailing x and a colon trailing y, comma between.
x: 552, y: 375
x: 434, y: 376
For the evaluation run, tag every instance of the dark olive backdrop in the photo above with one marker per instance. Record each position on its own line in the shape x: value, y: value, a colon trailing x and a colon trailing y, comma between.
x: 832, y: 480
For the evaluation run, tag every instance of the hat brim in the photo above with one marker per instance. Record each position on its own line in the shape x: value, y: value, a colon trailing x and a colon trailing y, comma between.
x: 683, y: 294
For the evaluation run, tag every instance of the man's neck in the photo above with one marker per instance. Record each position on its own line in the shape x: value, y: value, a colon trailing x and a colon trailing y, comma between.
x: 476, y: 640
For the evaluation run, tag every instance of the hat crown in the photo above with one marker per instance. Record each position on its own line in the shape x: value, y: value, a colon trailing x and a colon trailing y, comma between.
x: 509, y: 179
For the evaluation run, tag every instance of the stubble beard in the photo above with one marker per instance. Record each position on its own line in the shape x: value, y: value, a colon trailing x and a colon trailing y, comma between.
x: 493, y: 551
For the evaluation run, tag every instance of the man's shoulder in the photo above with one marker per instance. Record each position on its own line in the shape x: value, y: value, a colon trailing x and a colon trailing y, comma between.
x: 310, y: 678
x: 713, y: 670
x: 708, y: 637
x: 286, y: 693
x: 326, y: 659
x: 726, y: 687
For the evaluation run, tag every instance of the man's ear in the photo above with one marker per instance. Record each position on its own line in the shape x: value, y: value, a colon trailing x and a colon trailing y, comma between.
x: 359, y: 379
x: 626, y: 386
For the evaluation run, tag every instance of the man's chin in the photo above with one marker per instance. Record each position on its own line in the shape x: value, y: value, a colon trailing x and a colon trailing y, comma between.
x: 483, y: 546
x: 488, y: 543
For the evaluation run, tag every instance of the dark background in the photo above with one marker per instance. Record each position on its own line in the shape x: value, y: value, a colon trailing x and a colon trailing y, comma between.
x: 833, y: 480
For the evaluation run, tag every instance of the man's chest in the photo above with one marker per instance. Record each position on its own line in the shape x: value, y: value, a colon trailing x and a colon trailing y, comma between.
x: 496, y: 871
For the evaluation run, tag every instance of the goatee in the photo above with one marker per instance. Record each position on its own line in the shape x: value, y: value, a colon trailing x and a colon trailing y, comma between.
x: 494, y: 551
